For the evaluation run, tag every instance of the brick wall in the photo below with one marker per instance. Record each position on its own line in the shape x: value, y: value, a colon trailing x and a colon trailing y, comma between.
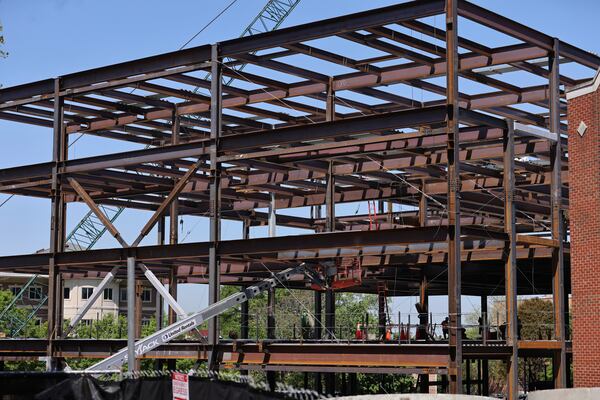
x: 584, y: 211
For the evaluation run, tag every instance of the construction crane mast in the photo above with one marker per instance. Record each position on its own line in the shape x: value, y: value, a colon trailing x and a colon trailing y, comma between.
x: 90, y: 229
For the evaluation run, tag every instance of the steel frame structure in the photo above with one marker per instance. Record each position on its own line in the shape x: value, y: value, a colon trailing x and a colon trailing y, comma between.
x: 481, y: 180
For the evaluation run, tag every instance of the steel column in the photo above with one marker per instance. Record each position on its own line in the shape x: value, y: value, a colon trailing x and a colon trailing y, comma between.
x: 272, y: 216
x: 558, y: 289
x: 245, y: 308
x: 510, y: 269
x: 271, y: 334
x: 215, y: 198
x: 131, y: 362
x: 318, y: 307
x: 57, y: 227
x: 485, y: 371
x: 330, y: 227
x: 453, y: 155
x: 173, y: 227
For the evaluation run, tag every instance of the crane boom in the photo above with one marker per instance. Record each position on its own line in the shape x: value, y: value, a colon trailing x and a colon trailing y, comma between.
x: 185, y: 325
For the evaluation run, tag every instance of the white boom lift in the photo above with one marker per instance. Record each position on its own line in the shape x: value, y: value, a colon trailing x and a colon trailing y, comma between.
x: 186, y: 324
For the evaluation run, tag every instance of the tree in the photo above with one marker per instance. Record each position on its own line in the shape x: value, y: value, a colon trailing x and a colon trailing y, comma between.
x: 3, y: 54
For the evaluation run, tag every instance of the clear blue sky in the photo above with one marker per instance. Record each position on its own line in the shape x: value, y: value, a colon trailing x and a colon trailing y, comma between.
x: 47, y: 38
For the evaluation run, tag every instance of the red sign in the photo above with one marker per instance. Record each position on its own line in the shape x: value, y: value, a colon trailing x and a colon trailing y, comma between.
x: 181, y: 387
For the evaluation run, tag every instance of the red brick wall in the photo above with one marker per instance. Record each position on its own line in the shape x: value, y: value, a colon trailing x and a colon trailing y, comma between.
x: 584, y: 211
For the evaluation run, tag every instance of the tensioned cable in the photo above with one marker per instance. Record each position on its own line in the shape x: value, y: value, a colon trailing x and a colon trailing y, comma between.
x: 209, y: 23
x: 332, y: 334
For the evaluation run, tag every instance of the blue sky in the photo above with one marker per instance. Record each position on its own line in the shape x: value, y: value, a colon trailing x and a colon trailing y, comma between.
x: 47, y: 38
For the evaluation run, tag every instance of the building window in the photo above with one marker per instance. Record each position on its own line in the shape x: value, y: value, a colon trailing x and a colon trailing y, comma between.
x: 66, y: 293
x: 108, y: 294
x: 86, y: 292
x: 146, y: 295
x: 123, y: 295
x: 15, y: 290
x: 35, y: 292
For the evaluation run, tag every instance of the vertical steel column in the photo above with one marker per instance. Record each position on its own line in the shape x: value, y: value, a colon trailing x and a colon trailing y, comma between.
x: 245, y: 308
x: 271, y: 375
x: 510, y: 256
x: 423, y: 206
x: 159, y: 300
x: 173, y: 234
x: 158, y: 364
x: 57, y: 227
x: 452, y: 150
x: 423, y: 322
x: 215, y: 199
x: 558, y: 289
x: 272, y: 216
x: 173, y: 222
x: 330, y: 227
x: 485, y: 370
x: 318, y: 332
x: 381, y: 314
x: 131, y: 361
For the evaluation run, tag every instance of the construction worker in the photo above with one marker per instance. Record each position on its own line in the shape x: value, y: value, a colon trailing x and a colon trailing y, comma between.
x: 445, y: 323
x: 388, y: 335
x: 359, y: 334
x: 306, y: 325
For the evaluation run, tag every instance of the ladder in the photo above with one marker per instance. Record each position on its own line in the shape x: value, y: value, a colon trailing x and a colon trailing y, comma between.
x: 193, y: 321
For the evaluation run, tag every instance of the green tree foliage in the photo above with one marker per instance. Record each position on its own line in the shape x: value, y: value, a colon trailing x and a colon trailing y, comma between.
x: 536, y: 321
x: 3, y: 53
x: 13, y: 318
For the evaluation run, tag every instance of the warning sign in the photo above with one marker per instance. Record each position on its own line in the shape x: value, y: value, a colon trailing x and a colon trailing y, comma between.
x: 181, y: 387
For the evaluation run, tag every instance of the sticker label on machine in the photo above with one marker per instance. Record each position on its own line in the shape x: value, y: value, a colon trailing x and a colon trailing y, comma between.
x: 181, y: 387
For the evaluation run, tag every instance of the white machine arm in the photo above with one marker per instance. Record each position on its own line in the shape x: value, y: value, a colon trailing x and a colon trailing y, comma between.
x: 184, y: 325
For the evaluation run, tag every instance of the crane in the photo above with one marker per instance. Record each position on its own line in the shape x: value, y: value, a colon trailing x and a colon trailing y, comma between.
x: 90, y: 229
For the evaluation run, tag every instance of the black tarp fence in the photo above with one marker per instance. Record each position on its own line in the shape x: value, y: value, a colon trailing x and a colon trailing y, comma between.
x: 63, y: 386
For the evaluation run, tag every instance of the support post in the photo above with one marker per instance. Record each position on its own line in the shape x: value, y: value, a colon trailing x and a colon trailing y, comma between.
x: 423, y: 205
x: 272, y: 216
x: 510, y: 268
x: 485, y: 370
x: 423, y: 322
x: 215, y: 200
x: 245, y: 308
x: 173, y: 228
x: 330, y: 227
x: 271, y: 375
x: 558, y: 289
x: 318, y: 333
x: 131, y: 362
x: 452, y: 150
x: 57, y: 229
x: 381, y: 314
